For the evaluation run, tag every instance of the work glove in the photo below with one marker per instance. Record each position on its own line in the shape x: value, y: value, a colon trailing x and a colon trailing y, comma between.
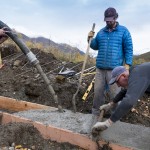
x: 100, y: 126
x: 127, y: 66
x: 106, y: 107
x: 90, y: 35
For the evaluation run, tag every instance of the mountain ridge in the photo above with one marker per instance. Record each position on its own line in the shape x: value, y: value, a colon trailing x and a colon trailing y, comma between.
x: 47, y: 42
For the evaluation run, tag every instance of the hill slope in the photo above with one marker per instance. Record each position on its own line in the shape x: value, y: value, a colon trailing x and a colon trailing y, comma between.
x: 142, y: 58
x: 47, y: 42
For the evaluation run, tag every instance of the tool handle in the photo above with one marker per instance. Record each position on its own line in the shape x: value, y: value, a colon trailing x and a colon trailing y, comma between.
x: 101, y: 115
x: 83, y: 67
x: 93, y: 27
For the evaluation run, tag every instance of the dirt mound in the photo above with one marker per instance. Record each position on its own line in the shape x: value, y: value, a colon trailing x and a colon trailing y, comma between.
x: 29, y: 137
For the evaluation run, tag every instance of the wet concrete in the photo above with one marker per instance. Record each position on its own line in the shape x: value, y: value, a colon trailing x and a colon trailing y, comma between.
x: 135, y: 136
x: 126, y: 134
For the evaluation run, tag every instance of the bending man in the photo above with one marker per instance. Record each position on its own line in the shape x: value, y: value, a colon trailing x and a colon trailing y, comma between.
x: 135, y: 82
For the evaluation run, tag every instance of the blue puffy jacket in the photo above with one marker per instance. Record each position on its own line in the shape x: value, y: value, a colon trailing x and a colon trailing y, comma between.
x: 114, y: 48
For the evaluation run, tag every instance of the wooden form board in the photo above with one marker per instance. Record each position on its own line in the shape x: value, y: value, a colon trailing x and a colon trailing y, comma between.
x: 60, y: 135
x: 47, y: 131
x: 18, y: 105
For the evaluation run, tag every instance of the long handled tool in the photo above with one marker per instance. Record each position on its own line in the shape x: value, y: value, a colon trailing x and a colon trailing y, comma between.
x: 83, y: 67
x: 100, y: 118
x: 96, y: 137
x: 32, y: 58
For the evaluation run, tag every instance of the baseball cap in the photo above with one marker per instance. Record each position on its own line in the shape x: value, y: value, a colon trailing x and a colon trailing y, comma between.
x: 116, y: 72
x: 109, y: 14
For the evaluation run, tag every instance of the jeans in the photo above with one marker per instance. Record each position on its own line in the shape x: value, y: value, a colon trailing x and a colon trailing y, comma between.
x: 102, y: 79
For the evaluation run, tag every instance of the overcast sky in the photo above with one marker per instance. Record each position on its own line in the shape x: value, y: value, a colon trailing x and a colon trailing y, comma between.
x: 69, y: 21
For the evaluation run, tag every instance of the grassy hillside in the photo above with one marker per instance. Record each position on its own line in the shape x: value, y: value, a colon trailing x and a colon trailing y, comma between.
x: 64, y: 51
x: 61, y: 51
x: 141, y: 58
x: 49, y: 43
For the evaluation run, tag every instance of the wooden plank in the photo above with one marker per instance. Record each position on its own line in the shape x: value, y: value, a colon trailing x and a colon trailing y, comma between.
x: 18, y: 105
x: 61, y: 135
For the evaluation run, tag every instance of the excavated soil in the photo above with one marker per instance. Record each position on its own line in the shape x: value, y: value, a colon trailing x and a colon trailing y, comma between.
x: 20, y: 80
x: 26, y: 135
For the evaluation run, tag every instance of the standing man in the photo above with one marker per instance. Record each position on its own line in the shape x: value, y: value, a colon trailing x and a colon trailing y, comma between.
x: 135, y: 82
x: 114, y: 45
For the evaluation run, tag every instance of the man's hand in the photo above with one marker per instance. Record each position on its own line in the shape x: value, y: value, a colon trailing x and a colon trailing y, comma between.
x: 3, y: 35
x: 106, y: 107
x: 127, y: 66
x: 90, y: 35
x: 100, y: 126
x: 3, y: 31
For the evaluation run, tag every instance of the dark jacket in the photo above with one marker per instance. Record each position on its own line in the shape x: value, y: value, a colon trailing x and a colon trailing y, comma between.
x: 138, y: 84
x: 113, y: 47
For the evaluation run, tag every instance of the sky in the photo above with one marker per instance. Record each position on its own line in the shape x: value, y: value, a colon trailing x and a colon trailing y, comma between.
x: 69, y: 21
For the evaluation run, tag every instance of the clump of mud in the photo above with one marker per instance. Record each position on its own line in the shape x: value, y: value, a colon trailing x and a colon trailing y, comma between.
x: 106, y: 147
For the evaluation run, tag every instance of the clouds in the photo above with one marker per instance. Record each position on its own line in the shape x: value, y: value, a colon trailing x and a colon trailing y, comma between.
x: 70, y: 20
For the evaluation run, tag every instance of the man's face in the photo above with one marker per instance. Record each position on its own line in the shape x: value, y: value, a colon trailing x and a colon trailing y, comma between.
x: 111, y: 24
x: 122, y: 81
